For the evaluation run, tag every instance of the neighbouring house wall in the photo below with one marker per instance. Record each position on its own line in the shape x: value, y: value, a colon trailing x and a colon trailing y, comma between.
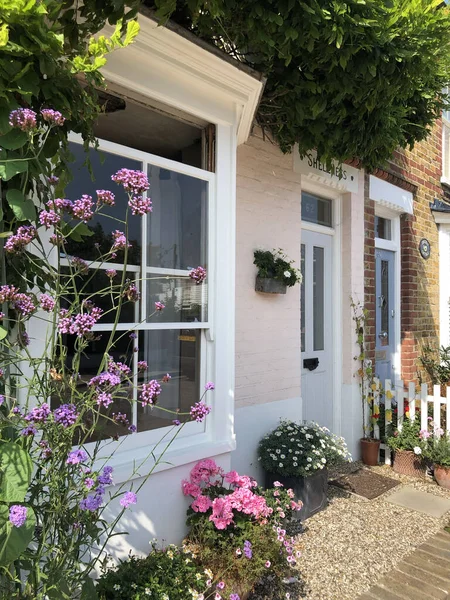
x: 268, y: 366
x: 419, y: 293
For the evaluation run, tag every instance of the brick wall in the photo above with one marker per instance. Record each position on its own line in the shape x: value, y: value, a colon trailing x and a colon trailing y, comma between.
x: 369, y: 270
x: 419, y: 277
x: 267, y: 326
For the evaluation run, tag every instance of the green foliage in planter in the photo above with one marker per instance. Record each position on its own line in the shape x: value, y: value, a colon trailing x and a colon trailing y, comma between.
x: 406, y: 438
x: 276, y: 265
x: 300, y: 450
x: 353, y: 78
x: 169, y: 573
x: 437, y: 450
x: 436, y: 362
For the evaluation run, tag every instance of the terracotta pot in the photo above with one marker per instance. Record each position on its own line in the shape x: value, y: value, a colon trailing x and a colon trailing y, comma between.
x: 408, y: 463
x: 442, y: 476
x: 370, y: 451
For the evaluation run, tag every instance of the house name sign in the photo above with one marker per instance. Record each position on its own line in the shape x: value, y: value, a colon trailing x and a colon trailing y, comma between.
x: 338, y: 175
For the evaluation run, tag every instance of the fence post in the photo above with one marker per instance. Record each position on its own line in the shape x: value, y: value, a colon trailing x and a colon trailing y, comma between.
x: 387, y: 418
x: 447, y: 412
x: 376, y: 402
x: 437, y: 406
x: 424, y: 406
x: 412, y: 400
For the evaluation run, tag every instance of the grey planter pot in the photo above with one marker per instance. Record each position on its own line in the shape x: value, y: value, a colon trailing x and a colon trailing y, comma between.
x: 269, y: 286
x: 312, y: 491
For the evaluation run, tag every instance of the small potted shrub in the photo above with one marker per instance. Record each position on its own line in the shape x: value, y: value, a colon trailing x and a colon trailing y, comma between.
x: 168, y: 573
x: 298, y: 455
x: 238, y: 530
x: 275, y: 272
x: 407, y: 442
x: 437, y: 452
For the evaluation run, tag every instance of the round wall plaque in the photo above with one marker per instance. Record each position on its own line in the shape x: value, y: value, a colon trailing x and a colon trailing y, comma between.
x: 425, y: 248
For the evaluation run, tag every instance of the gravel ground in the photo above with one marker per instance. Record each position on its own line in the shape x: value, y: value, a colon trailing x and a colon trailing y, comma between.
x: 350, y: 545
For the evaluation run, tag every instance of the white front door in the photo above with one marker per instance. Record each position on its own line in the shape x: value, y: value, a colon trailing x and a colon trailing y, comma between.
x: 317, y: 327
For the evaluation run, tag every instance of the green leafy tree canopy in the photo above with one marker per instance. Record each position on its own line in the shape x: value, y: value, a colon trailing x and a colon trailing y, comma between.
x: 351, y: 78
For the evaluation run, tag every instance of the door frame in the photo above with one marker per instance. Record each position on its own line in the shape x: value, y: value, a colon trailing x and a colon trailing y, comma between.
x: 394, y: 246
x: 336, y: 286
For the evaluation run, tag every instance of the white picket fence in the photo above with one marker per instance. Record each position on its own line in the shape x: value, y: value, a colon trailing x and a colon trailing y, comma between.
x: 395, y: 395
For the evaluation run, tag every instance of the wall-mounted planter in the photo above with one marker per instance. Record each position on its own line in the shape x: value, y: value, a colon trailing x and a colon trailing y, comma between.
x: 269, y: 286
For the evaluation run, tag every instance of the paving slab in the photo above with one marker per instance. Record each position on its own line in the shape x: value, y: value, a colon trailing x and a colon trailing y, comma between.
x: 429, y: 504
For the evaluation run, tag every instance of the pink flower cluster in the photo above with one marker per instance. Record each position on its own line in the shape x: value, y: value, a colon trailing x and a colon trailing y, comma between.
x: 83, y: 208
x: 52, y: 216
x: 150, y: 392
x: 120, y: 241
x: 207, y: 474
x: 23, y: 236
x: 20, y: 302
x: 105, y: 197
x: 54, y: 117
x: 23, y: 118
x: 79, y: 324
x: 47, y: 302
x: 198, y: 275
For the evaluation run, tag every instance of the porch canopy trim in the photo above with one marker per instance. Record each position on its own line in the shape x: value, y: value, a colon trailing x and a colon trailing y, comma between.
x: 391, y: 196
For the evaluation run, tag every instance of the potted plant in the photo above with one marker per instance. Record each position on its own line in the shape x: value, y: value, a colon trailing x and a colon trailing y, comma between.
x: 408, y: 444
x: 238, y: 531
x: 437, y: 451
x: 370, y: 446
x: 297, y: 455
x: 275, y: 272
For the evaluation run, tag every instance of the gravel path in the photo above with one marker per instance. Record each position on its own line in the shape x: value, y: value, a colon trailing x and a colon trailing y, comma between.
x: 350, y: 545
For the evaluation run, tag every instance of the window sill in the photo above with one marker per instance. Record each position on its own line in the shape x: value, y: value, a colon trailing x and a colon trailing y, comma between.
x: 126, y: 463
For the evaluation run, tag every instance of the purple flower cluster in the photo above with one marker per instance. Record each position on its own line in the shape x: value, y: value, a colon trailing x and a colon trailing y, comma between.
x: 54, y: 117
x: 104, y: 399
x: 46, y: 450
x: 105, y: 197
x: 199, y: 411
x: 22, y: 303
x: 248, y: 549
x: 93, y: 502
x: 28, y: 431
x: 106, y: 477
x: 159, y: 306
x: 80, y: 324
x: 120, y: 419
x: 83, y: 208
x: 76, y: 457
x: 142, y: 365
x: 23, y: 236
x: 39, y: 414
x: 23, y: 118
x: 53, y: 180
x: 47, y: 302
x: 105, y: 379
x: 150, y: 392
x: 198, y: 274
x: 120, y: 241
x: 55, y: 208
x: 134, y: 182
x: 65, y: 415
x: 140, y: 205
x: 209, y: 386
x: 131, y: 292
x: 17, y: 515
x: 118, y: 368
x: 111, y: 273
x: 79, y: 264
x: 128, y: 499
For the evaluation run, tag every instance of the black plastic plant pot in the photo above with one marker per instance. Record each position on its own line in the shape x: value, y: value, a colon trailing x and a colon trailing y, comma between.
x: 311, y: 491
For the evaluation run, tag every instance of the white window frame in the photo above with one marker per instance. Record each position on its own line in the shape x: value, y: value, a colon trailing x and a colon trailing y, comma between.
x: 445, y: 176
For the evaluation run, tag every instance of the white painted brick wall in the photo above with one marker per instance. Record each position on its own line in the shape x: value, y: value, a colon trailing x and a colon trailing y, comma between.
x: 267, y: 326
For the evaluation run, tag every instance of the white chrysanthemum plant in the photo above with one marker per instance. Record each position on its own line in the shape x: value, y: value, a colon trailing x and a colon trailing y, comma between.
x: 301, y: 449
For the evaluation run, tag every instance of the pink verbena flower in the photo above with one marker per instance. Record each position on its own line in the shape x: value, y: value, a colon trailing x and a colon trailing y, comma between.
x: 23, y: 236
x: 134, y: 182
x: 159, y: 306
x: 79, y: 264
x: 140, y: 205
x: 49, y: 218
x: 53, y: 117
x: 131, y: 292
x: 47, y: 302
x: 23, y: 118
x: 199, y: 411
x: 65, y: 415
x: 76, y: 457
x: 105, y: 197
x: 83, y: 208
x: 128, y: 499
x: 142, y: 365
x: 23, y: 304
x: 17, y: 515
x: 150, y: 392
x: 39, y: 414
x: 120, y: 241
x: 104, y: 399
x: 111, y: 273
x: 198, y: 274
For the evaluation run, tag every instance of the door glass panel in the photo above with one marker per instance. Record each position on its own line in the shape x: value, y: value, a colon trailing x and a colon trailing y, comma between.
x: 318, y: 297
x: 384, y: 303
x: 302, y: 297
x: 383, y: 228
x: 316, y: 210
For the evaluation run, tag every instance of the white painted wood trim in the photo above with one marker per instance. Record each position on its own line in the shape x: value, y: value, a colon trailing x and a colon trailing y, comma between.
x: 444, y: 284
x: 391, y: 196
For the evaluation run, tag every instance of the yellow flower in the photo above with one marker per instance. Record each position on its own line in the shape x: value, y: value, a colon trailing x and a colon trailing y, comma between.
x: 170, y: 554
x: 388, y: 415
x: 209, y: 574
x: 374, y: 387
x: 389, y: 395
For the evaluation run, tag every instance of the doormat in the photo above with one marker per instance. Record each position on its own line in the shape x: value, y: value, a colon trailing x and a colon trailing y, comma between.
x: 365, y: 483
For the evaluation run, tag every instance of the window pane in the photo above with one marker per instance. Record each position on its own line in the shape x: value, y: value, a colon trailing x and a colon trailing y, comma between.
x: 302, y: 298
x: 184, y: 300
x: 383, y: 228
x: 177, y: 227
x: 318, y: 297
x: 90, y: 361
x: 176, y: 352
x: 104, y: 164
x: 317, y: 210
x: 96, y: 286
x: 384, y: 301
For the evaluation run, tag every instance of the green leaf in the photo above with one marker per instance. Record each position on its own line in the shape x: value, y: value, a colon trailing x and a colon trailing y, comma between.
x: 23, y: 208
x: 4, y: 34
x: 3, y: 333
x: 12, y: 168
x: 14, y: 139
x: 14, y: 540
x: 88, y: 591
x: 80, y: 231
x: 133, y: 28
x: 15, y: 472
